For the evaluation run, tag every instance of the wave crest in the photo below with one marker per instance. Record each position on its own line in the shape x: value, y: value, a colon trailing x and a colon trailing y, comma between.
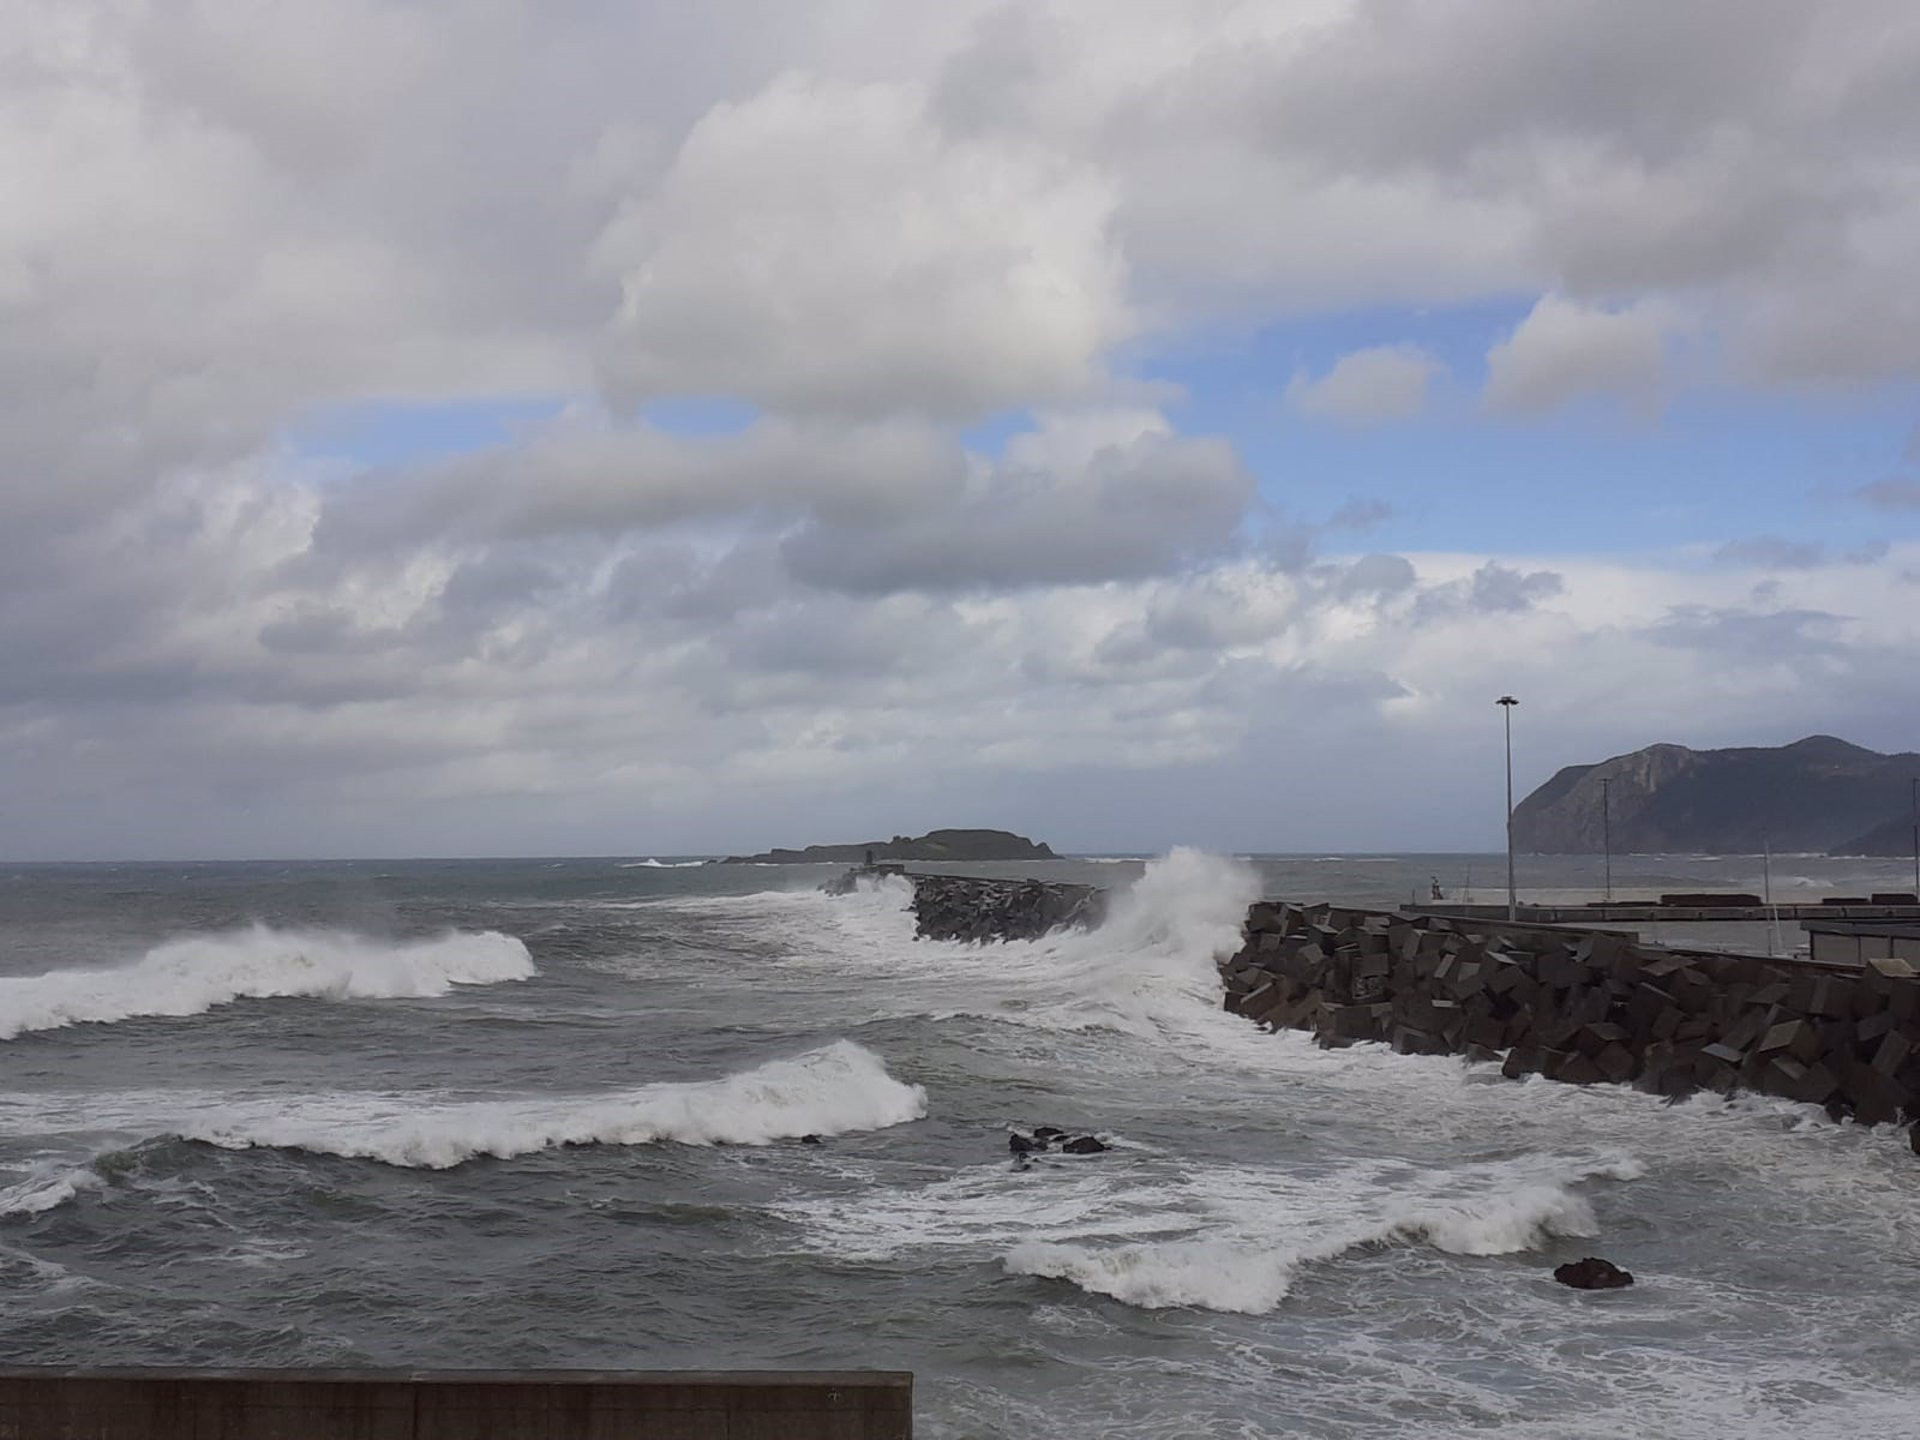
x: 194, y: 974
x: 1245, y: 1276
x: 44, y: 1189
x: 834, y: 1090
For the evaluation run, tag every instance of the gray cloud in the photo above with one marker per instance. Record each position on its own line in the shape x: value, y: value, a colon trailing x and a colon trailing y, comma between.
x: 874, y: 226
x: 1762, y: 635
x: 1141, y: 506
x: 1773, y: 552
x: 1564, y: 350
x: 1493, y: 589
x: 1892, y: 494
x: 1387, y: 382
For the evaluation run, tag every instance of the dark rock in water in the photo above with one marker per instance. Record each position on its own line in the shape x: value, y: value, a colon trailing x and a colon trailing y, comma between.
x: 809, y: 1139
x: 1046, y: 1134
x: 1913, y: 1137
x: 1593, y: 1273
x: 1020, y: 1145
x: 1084, y: 1145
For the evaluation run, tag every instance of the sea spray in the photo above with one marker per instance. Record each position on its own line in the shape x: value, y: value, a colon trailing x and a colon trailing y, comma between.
x: 194, y: 974
x: 1147, y: 970
x: 836, y: 1089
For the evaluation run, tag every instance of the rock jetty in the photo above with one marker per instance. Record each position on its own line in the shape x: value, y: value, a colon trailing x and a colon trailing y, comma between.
x: 958, y: 907
x: 1587, y: 1006
x: 963, y: 907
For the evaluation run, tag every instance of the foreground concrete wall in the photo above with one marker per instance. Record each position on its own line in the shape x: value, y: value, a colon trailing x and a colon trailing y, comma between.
x: 53, y: 1404
x: 1587, y: 1006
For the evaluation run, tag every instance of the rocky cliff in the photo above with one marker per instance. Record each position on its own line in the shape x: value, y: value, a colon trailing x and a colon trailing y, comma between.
x: 1815, y: 794
x: 967, y: 845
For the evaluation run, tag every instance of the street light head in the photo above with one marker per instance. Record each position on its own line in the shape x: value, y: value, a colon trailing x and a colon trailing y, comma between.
x: 1506, y: 700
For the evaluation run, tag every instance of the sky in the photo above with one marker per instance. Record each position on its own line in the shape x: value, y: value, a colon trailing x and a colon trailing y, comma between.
x: 582, y: 427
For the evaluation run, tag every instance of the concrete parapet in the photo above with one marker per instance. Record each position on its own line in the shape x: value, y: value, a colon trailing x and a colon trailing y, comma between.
x: 1586, y: 1006
x: 75, y: 1404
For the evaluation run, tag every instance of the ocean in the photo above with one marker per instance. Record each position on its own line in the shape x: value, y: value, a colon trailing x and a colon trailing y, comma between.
x: 550, y: 1113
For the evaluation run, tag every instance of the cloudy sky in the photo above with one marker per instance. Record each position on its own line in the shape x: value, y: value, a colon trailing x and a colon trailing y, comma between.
x: 569, y: 426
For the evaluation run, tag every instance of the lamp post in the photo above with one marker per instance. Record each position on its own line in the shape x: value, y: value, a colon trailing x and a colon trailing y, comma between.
x: 1916, y: 835
x: 1606, y: 832
x: 1506, y: 704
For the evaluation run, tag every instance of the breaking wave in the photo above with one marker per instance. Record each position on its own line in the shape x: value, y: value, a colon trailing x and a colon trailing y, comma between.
x: 1159, y: 1232
x: 44, y: 1189
x: 1245, y: 1277
x: 1247, y: 1274
x: 836, y: 1089
x: 194, y: 974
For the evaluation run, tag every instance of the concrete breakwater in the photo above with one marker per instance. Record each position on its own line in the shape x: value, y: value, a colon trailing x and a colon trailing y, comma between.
x: 1587, y: 1006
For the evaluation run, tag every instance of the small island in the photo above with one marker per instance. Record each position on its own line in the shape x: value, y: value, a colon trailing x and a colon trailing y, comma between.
x: 967, y: 845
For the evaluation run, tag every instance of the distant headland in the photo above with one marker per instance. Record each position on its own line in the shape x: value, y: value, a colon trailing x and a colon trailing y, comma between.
x: 968, y: 845
x: 1817, y: 794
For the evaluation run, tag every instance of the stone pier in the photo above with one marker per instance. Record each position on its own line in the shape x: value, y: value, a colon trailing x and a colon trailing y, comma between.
x: 1587, y: 1006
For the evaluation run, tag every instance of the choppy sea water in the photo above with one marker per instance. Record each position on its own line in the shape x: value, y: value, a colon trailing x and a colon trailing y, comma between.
x: 544, y: 1113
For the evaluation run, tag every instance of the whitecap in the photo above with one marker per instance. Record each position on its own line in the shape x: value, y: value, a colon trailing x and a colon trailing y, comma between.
x: 834, y: 1090
x: 195, y: 973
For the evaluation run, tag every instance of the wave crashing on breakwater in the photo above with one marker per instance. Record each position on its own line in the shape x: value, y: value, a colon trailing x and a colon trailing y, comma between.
x: 194, y: 974
x: 833, y: 1090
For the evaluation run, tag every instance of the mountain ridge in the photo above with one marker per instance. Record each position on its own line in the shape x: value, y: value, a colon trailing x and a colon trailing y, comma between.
x: 1819, y: 793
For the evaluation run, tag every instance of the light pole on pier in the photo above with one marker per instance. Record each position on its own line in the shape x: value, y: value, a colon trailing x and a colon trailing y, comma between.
x: 1506, y: 704
x: 1606, y: 832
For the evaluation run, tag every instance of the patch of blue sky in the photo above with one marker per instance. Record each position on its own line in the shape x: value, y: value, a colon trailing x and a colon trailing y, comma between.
x: 990, y: 436
x: 1594, y: 477
x: 701, y: 415
x: 378, y: 434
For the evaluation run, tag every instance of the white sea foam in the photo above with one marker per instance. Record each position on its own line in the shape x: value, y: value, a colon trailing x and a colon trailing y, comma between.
x: 1207, y: 1274
x: 46, y: 1187
x: 836, y: 1089
x: 651, y: 863
x: 1156, y: 1233
x: 194, y: 974
x: 1245, y: 1272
